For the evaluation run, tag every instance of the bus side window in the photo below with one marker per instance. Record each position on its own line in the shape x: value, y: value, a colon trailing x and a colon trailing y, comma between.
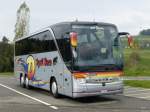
x: 65, y: 50
x: 63, y: 43
x: 51, y: 42
x: 42, y: 42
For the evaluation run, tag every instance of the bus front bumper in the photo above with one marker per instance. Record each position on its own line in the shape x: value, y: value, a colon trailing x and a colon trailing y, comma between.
x: 84, y: 90
x: 84, y: 94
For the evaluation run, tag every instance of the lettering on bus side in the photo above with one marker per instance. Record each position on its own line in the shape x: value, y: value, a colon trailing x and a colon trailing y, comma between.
x: 46, y: 62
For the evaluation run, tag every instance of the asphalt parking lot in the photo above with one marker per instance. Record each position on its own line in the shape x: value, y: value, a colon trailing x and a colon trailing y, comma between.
x: 137, y: 92
x: 13, y: 98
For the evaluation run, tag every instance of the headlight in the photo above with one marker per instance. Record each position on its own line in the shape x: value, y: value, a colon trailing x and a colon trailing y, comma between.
x: 81, y: 81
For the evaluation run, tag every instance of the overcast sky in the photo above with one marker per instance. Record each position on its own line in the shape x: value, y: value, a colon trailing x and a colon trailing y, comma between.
x: 129, y: 15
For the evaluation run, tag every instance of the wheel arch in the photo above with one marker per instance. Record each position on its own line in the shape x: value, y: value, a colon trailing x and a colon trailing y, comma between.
x: 51, y: 79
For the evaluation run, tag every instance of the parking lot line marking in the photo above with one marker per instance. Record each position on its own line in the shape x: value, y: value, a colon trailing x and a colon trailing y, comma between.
x: 135, y: 88
x: 135, y: 91
x: 132, y: 89
x: 145, y: 97
x: 33, y: 98
x: 54, y: 107
x: 138, y: 94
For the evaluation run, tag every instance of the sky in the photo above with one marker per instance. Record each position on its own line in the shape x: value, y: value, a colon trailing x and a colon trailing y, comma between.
x: 129, y: 15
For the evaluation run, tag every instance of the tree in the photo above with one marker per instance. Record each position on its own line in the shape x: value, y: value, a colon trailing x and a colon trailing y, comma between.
x: 22, y: 24
x: 145, y: 32
x: 4, y: 39
x: 6, y: 57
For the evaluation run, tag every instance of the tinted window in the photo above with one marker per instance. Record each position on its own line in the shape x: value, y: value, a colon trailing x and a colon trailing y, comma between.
x: 63, y: 41
x: 65, y: 49
x: 60, y: 30
x: 42, y: 42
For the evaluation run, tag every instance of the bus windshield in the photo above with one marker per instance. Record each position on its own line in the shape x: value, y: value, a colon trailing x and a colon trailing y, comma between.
x: 97, y: 46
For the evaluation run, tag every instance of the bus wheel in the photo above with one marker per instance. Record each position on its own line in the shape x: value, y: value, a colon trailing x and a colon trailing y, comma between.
x: 27, y: 82
x: 22, y: 81
x: 54, y: 88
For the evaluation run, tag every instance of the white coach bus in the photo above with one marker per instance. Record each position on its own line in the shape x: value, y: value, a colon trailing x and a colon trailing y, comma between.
x: 74, y: 59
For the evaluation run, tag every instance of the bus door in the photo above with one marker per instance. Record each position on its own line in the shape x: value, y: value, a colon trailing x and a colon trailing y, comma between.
x: 58, y: 70
x: 66, y: 77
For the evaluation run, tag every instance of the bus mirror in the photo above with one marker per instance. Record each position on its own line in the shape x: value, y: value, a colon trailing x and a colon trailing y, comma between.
x: 120, y: 34
x: 73, y: 39
x: 123, y: 33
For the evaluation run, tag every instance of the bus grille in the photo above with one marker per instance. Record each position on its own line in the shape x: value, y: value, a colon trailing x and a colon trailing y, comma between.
x: 101, y: 80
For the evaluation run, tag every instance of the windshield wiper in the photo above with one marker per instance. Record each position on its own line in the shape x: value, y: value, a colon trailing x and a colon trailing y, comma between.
x: 107, y: 67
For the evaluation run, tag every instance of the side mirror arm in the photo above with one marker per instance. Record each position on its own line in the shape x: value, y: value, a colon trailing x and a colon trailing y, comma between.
x: 123, y: 33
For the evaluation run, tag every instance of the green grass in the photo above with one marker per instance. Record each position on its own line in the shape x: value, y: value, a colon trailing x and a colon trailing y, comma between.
x: 142, y: 68
x: 7, y: 74
x: 139, y: 83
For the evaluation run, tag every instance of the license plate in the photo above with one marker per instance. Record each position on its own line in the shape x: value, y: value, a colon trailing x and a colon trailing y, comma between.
x: 104, y: 91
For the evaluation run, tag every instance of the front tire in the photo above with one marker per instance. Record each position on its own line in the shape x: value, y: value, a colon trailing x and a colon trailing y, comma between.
x: 27, y: 82
x: 22, y: 81
x: 54, y: 88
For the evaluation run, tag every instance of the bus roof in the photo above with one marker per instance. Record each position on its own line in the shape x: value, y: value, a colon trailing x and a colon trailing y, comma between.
x: 82, y: 23
x: 67, y: 24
